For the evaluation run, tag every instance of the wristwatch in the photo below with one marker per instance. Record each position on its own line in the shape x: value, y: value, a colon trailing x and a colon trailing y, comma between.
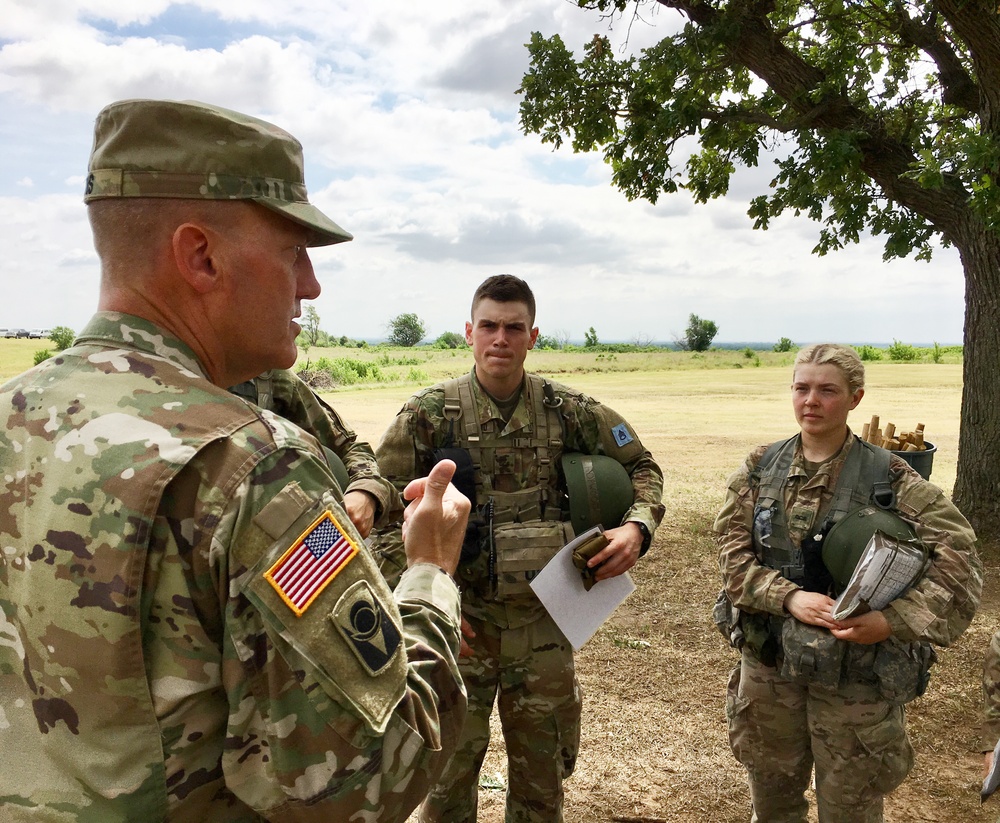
x: 646, y: 537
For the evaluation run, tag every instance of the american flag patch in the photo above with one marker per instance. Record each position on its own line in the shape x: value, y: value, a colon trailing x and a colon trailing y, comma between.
x: 303, y: 571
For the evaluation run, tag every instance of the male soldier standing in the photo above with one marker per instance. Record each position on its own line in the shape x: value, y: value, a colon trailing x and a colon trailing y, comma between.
x: 188, y: 628
x: 513, y: 427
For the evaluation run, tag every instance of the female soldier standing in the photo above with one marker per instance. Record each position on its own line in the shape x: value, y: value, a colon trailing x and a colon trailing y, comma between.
x: 811, y: 690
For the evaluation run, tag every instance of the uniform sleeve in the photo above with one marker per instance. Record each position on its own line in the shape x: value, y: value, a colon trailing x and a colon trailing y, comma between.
x: 297, y: 402
x: 594, y: 428
x: 990, y: 731
x: 942, y: 604
x: 351, y: 705
x: 750, y: 585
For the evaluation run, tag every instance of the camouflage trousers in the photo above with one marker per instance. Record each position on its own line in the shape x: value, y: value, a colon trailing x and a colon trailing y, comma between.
x: 779, y: 730
x: 529, y: 672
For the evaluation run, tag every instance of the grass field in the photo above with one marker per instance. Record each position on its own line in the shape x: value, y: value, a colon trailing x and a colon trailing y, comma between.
x: 655, y: 745
x: 654, y: 738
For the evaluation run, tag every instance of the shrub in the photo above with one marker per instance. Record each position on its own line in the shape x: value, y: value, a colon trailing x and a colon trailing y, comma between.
x: 867, y: 352
x: 749, y: 353
x: 62, y: 336
x: 449, y: 340
x: 902, y: 351
x: 783, y: 345
x: 42, y: 355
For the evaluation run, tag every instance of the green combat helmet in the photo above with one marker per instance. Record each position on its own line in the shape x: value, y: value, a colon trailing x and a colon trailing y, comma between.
x: 600, y: 490
x: 848, y: 539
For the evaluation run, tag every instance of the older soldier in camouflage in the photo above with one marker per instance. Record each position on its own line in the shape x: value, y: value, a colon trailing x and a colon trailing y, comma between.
x: 515, y: 425
x: 189, y: 627
x: 812, y: 691
x: 369, y: 499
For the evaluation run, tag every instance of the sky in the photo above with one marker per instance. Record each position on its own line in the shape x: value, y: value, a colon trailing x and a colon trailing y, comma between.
x: 408, y: 114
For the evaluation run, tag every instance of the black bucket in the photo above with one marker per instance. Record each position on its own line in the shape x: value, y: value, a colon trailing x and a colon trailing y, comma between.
x: 921, y: 461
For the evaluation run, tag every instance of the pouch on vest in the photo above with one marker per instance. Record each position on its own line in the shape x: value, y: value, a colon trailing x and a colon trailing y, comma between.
x: 811, y: 655
x: 902, y: 670
x: 522, y: 550
x: 584, y: 552
x: 727, y: 620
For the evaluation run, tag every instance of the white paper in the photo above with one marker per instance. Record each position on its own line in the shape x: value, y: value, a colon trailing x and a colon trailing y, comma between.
x: 577, y: 612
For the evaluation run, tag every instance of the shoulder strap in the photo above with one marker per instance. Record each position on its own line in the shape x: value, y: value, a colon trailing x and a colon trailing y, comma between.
x: 460, y: 408
x: 452, y: 410
x: 863, y: 480
x: 265, y: 391
x: 769, y: 474
x: 547, y: 434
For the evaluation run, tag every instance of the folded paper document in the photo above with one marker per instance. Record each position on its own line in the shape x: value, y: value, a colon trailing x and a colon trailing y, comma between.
x: 577, y: 610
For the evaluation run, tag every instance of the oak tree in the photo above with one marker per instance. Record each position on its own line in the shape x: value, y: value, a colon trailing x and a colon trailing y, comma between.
x: 882, y: 116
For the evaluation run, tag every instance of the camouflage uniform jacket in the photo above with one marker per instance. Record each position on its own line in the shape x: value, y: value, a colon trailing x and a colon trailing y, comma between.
x: 285, y: 393
x: 937, y: 609
x: 148, y: 669
x: 990, y: 732
x: 407, y: 450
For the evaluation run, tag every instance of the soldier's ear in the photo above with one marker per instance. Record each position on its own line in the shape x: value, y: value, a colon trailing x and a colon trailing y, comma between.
x: 194, y: 250
x: 468, y: 332
x: 534, y: 337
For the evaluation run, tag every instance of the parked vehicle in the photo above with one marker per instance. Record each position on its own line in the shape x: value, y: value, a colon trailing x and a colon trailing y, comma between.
x: 15, y: 333
x: 39, y: 334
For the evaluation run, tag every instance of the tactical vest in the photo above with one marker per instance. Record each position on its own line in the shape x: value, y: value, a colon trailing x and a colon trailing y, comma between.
x: 73, y: 592
x: 526, y: 526
x: 899, y: 671
x: 864, y: 479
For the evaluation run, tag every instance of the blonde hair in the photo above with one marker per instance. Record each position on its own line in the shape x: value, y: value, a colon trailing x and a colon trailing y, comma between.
x: 835, y: 354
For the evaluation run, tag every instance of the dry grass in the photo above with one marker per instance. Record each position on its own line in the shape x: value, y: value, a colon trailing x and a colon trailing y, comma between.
x: 654, y: 737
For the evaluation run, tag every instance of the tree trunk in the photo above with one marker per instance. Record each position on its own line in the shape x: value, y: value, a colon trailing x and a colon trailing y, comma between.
x: 977, y: 485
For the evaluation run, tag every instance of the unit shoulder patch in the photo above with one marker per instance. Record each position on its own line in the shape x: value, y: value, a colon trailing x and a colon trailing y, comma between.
x: 368, y: 630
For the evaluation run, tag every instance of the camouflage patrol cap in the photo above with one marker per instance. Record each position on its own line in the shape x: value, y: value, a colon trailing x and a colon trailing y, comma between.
x: 191, y: 150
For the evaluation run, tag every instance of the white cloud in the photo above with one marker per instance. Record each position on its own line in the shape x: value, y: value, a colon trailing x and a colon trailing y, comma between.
x: 409, y: 120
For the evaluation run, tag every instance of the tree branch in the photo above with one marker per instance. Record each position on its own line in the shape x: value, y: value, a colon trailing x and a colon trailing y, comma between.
x: 958, y: 86
x: 885, y: 159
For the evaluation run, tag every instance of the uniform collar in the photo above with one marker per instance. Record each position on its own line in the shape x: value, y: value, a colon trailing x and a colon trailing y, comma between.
x: 488, y: 409
x: 828, y: 471
x: 118, y: 330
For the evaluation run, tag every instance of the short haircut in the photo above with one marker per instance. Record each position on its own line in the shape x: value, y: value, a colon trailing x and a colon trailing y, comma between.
x: 505, y: 288
x: 843, y: 357
x: 127, y: 228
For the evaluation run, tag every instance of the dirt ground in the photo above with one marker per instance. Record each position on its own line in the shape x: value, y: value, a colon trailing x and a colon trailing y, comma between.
x: 654, y: 745
x: 654, y: 742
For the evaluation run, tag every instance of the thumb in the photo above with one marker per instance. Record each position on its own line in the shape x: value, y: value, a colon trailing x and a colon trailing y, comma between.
x: 439, y: 478
x: 434, y: 484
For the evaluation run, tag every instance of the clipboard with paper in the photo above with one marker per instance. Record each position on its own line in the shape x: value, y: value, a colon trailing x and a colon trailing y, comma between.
x: 887, y: 568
